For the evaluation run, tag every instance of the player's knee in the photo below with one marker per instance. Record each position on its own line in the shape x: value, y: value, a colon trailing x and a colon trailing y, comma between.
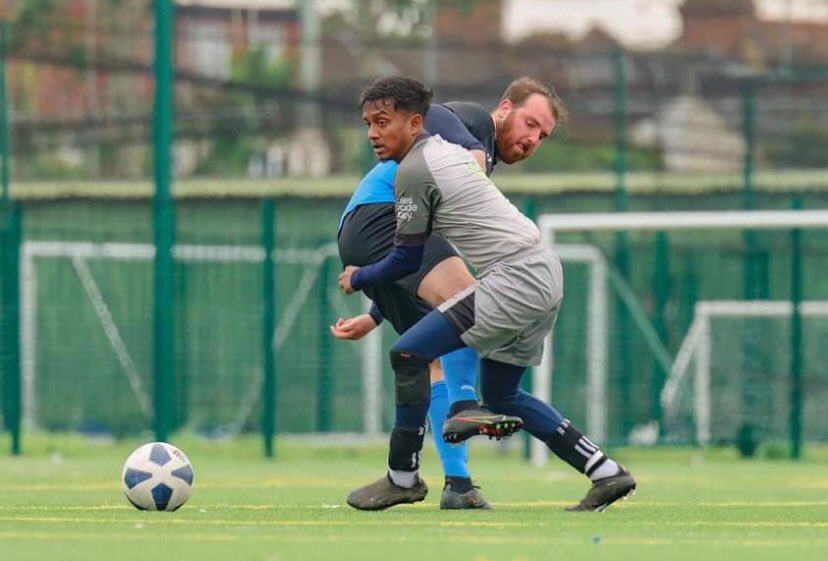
x: 411, y: 378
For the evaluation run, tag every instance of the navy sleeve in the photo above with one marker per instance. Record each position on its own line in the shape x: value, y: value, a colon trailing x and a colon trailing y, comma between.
x: 402, y: 261
x: 375, y: 313
x: 442, y: 120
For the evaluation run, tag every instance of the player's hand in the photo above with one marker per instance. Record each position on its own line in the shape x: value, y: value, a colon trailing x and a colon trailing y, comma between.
x: 345, y: 279
x: 354, y: 328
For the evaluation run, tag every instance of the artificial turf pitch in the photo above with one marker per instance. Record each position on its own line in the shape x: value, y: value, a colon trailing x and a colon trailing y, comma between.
x: 62, y: 501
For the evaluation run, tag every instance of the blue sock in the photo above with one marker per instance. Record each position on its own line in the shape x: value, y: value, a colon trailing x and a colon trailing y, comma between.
x: 453, y: 458
x: 460, y: 369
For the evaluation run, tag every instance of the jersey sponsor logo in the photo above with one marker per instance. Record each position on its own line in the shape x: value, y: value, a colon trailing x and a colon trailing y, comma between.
x: 405, y: 207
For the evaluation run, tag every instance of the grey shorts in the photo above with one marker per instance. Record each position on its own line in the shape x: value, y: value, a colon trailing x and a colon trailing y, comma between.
x: 507, y: 314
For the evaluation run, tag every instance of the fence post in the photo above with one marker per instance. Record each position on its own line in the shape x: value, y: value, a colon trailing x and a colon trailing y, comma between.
x: 324, y: 391
x: 795, y: 420
x: 622, y: 254
x: 748, y: 437
x: 661, y: 297
x: 163, y: 222
x: 10, y: 236
x: 268, y: 327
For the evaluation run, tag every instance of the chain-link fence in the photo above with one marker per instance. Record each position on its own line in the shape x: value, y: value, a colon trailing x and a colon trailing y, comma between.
x: 650, y: 131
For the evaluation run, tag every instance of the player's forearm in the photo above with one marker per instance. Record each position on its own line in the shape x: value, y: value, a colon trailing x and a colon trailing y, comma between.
x: 402, y: 261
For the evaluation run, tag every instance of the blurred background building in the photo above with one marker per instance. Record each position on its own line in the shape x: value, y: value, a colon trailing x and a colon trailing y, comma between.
x: 81, y: 83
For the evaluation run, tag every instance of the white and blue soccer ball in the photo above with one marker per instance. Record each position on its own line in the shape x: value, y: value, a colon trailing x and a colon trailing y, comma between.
x: 157, y: 476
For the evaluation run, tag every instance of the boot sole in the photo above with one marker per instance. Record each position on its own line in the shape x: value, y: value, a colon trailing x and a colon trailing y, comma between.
x: 372, y: 508
x: 496, y: 430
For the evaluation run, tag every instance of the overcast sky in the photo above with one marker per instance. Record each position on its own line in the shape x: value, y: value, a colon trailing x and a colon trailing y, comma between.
x: 639, y: 24
x: 636, y: 23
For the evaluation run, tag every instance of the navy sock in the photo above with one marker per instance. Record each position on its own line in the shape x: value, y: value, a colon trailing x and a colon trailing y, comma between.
x: 580, y: 452
x: 501, y: 392
x: 404, y: 449
x: 429, y: 338
x: 412, y: 417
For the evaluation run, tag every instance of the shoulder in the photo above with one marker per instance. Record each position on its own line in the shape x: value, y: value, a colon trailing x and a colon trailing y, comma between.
x: 414, y: 168
x: 475, y: 119
x: 437, y: 112
x: 382, y: 173
x: 441, y: 120
x: 467, y: 110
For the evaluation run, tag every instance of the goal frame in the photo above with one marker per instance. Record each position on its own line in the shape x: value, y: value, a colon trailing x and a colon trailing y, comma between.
x: 80, y: 252
x: 697, y: 346
x: 552, y: 224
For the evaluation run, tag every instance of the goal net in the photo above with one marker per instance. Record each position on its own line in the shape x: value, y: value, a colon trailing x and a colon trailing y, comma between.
x: 694, y: 343
x: 86, y: 341
x: 703, y: 401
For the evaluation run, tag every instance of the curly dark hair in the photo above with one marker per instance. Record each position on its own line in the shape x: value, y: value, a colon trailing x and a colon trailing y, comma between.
x: 407, y: 94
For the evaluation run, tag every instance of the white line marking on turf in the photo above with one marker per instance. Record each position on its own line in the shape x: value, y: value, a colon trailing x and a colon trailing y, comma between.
x: 239, y: 523
x: 214, y: 507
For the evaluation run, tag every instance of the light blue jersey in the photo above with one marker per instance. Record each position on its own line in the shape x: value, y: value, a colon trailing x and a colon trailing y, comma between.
x: 376, y: 187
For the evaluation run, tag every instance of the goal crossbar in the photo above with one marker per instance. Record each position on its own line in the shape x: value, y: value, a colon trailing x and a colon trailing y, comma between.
x: 695, y: 220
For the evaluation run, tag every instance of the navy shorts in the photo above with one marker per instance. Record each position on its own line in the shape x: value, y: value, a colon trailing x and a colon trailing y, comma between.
x: 366, y: 236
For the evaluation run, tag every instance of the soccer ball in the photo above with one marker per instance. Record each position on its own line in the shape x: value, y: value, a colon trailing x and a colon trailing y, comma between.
x: 157, y: 476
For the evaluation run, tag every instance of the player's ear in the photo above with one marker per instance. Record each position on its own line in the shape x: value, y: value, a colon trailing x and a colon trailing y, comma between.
x: 503, y: 108
x: 416, y: 122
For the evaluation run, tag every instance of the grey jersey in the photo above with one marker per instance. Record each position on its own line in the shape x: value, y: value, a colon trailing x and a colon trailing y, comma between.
x: 439, y: 187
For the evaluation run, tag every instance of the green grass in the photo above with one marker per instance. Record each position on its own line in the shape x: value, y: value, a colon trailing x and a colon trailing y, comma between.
x: 62, y: 502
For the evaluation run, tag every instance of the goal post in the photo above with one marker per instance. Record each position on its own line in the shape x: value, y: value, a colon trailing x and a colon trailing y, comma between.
x: 562, y: 230
x: 10, y: 406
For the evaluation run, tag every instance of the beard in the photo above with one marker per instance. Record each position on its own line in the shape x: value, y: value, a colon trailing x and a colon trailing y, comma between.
x: 507, y: 150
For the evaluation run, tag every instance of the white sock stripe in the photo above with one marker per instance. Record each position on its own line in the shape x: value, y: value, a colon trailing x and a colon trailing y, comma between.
x: 591, y: 443
x: 582, y: 452
x: 591, y: 462
x: 587, y: 445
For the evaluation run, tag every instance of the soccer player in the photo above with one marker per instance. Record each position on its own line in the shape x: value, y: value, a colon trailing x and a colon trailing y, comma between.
x: 504, y: 315
x: 510, y: 133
